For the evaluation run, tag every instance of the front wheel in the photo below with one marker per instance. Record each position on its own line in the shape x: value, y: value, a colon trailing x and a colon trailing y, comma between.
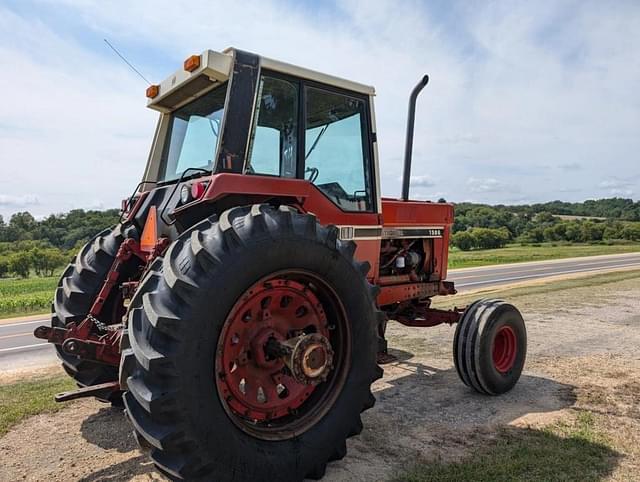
x: 490, y: 346
x: 254, y: 349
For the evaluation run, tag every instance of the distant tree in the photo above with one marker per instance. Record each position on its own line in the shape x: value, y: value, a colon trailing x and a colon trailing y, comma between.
x: 23, y: 222
x: 488, y: 238
x: 51, y: 259
x: 4, y: 267
x: 631, y: 232
x: 573, y: 232
x: 46, y: 260
x: 592, y: 231
x: 613, y: 230
x: 556, y: 232
x: 534, y: 235
x: 20, y: 263
x: 545, y: 218
x: 463, y: 240
x: 442, y: 200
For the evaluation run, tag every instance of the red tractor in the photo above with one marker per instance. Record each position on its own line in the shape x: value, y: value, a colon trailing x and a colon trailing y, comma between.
x: 239, y: 308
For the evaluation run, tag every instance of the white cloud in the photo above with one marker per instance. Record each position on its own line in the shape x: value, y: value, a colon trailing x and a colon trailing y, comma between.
x: 18, y: 201
x: 485, y: 185
x: 571, y: 166
x: 460, y: 139
x: 421, y: 181
x: 434, y: 196
x: 618, y: 187
x: 621, y: 192
x: 614, y: 183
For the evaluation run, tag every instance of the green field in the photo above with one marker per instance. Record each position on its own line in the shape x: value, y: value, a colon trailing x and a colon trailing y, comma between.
x: 26, y: 296
x: 516, y: 253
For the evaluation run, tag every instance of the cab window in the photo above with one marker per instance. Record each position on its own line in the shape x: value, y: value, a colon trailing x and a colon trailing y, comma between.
x: 274, y: 146
x: 193, y: 135
x: 336, y: 156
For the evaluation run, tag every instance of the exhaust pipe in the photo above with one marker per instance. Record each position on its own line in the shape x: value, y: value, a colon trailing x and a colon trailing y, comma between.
x: 408, y: 147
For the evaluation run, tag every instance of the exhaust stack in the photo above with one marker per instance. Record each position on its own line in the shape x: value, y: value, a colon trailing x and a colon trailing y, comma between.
x: 408, y: 148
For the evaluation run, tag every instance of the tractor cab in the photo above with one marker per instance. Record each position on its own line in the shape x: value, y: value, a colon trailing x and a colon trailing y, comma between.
x: 236, y: 128
x: 235, y: 112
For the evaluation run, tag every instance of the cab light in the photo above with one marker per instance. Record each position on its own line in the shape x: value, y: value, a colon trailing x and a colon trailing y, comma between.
x: 185, y: 194
x: 197, y: 189
x: 192, y: 63
x: 153, y: 91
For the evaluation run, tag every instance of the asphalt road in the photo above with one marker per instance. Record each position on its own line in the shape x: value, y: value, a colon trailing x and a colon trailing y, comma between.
x: 506, y: 274
x: 18, y: 347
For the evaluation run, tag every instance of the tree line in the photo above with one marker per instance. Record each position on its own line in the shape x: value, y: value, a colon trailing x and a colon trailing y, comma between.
x: 61, y: 231
x: 612, y: 208
x: 480, y: 226
x: 30, y: 246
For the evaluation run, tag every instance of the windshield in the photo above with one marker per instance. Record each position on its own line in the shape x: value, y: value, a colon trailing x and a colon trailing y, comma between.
x: 193, y: 135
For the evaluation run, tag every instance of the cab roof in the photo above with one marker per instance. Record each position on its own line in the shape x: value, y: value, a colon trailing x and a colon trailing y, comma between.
x: 216, y: 67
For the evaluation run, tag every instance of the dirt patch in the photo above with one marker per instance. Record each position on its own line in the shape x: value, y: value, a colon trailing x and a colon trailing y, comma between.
x: 583, y: 357
x: 17, y: 374
x: 89, y: 441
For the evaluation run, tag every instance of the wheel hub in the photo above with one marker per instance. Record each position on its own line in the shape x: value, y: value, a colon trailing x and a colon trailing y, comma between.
x: 505, y: 349
x: 274, y: 350
x: 308, y: 357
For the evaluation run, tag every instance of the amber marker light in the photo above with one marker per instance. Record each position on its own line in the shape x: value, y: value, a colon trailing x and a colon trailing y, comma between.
x: 152, y: 91
x: 192, y: 63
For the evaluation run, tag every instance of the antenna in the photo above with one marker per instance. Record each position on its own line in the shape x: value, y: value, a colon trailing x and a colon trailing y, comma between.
x: 126, y: 61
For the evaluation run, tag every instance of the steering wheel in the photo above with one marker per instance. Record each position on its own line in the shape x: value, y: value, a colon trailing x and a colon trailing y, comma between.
x: 315, y: 172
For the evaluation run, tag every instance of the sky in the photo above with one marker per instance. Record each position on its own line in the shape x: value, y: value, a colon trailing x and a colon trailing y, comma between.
x: 528, y: 101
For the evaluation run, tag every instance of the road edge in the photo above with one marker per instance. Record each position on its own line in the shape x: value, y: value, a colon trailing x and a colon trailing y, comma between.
x: 547, y: 261
x: 25, y: 319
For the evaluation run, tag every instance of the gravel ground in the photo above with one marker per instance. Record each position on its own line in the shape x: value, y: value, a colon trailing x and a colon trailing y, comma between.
x: 583, y: 354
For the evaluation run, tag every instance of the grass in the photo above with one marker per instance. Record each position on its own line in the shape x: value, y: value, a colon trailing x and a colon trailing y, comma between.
x: 26, y: 398
x: 564, y: 451
x: 516, y: 253
x: 26, y: 296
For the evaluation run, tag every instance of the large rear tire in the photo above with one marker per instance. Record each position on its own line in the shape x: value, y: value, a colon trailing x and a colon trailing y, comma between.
x: 186, y: 309
x: 490, y: 346
x: 77, y: 289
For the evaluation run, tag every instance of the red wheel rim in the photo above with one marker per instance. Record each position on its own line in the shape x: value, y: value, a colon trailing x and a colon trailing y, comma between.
x: 505, y: 349
x: 259, y: 392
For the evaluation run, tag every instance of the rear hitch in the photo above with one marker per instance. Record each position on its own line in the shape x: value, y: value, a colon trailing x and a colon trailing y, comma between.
x: 101, y: 351
x: 89, y: 391
x: 53, y: 334
x: 77, y: 340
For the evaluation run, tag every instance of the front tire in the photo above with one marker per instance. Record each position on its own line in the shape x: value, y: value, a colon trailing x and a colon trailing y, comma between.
x: 186, y: 309
x: 490, y: 346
